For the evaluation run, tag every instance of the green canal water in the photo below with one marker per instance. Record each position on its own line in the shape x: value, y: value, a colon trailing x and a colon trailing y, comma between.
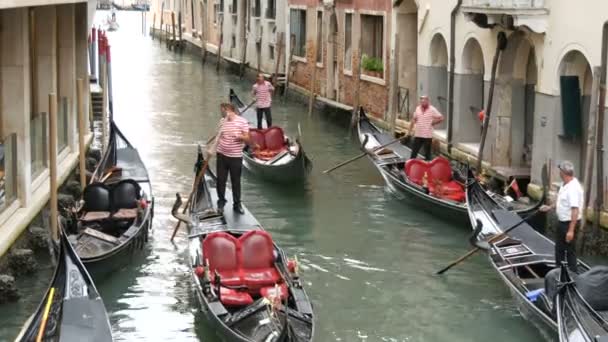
x: 368, y: 260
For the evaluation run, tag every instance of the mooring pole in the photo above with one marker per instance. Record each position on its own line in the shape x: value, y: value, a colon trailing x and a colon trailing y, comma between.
x: 53, y: 164
x: 81, y: 131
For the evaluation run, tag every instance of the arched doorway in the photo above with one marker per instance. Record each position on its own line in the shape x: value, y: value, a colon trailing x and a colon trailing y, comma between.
x: 469, y: 95
x: 332, y: 58
x: 575, y: 79
x: 438, y: 75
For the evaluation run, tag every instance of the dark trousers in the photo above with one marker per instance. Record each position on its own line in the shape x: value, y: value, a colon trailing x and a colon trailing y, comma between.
x: 264, y: 112
x: 419, y: 143
x: 233, y: 166
x: 565, y: 250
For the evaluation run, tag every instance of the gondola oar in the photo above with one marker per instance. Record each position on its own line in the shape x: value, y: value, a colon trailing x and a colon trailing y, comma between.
x: 479, y: 245
x: 45, y: 316
x: 365, y: 153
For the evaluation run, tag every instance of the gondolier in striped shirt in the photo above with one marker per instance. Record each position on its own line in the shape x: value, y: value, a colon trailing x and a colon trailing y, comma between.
x: 231, y: 139
x: 425, y: 117
x: 262, y: 90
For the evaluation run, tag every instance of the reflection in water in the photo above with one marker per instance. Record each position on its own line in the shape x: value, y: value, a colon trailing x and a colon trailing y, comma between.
x: 368, y: 261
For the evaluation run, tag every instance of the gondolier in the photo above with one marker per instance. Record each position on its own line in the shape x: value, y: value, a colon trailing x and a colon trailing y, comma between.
x: 568, y: 207
x: 231, y: 139
x: 425, y: 117
x: 262, y: 90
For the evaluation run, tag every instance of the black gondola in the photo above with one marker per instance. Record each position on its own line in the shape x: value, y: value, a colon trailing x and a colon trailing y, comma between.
x: 72, y: 309
x: 247, y: 288
x: 116, y: 216
x: 279, y: 159
x: 522, y: 258
x: 577, y: 320
x: 434, y: 186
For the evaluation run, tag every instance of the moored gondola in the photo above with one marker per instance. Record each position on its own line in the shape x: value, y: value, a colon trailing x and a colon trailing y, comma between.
x: 247, y: 288
x: 72, y: 310
x: 277, y: 158
x: 522, y: 257
x: 435, y: 186
x: 117, y: 208
x: 577, y: 319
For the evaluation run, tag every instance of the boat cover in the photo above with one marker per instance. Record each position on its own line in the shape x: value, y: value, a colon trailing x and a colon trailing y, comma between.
x: 592, y: 285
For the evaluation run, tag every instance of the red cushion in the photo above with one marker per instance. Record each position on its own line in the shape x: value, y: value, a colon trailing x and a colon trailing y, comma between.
x: 415, y: 170
x: 267, y: 154
x: 228, y: 278
x: 452, y: 190
x: 220, y: 249
x: 271, y: 291
x: 257, y: 253
x: 440, y: 169
x: 231, y: 297
x: 257, y: 137
x: 274, y: 138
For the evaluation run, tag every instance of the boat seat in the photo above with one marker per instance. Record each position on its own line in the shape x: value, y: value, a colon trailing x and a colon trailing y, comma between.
x: 257, y: 255
x: 231, y: 297
x: 273, y: 142
x: 126, y: 195
x: 271, y: 291
x: 441, y: 182
x: 221, y: 250
x: 415, y: 169
x: 97, y: 206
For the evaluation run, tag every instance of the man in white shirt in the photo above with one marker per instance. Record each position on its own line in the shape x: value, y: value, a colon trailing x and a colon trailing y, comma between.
x: 569, y: 210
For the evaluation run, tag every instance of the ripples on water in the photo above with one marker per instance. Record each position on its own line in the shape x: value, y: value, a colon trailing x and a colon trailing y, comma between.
x: 368, y: 261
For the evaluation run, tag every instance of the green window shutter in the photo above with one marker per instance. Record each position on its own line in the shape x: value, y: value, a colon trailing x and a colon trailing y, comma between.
x: 571, y: 106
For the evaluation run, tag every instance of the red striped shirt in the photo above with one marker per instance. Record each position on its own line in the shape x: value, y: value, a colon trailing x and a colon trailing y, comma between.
x: 424, y: 121
x: 263, y: 94
x: 229, y: 142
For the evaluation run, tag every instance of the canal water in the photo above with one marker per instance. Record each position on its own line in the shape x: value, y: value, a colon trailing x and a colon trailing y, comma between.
x: 368, y: 260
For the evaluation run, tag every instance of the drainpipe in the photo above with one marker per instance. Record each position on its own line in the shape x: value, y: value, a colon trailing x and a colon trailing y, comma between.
x: 451, y: 74
x: 599, y: 197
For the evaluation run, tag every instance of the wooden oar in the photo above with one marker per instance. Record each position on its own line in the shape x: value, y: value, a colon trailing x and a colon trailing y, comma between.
x: 45, y: 316
x: 364, y: 154
x: 197, y: 181
x: 545, y: 179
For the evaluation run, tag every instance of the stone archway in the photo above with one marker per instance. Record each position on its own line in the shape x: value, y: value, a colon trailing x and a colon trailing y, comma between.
x: 438, y: 75
x: 333, y: 83
x: 469, y: 95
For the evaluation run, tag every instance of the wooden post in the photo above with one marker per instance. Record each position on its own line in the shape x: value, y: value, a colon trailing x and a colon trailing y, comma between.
x: 219, y: 50
x: 394, y: 85
x: 353, y: 118
x: 53, y: 164
x: 81, y: 131
x: 179, y: 22
x: 292, y: 43
x: 203, y: 33
x: 153, y: 25
x: 160, y: 28
x: 173, y: 30
x: 243, y: 58
x: 278, y: 57
x: 259, y: 47
x: 313, y: 80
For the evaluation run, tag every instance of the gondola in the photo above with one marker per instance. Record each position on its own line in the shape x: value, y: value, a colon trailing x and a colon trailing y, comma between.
x: 577, y: 320
x: 72, y: 310
x: 117, y: 208
x: 522, y: 258
x: 278, y: 158
x: 435, y: 186
x: 247, y: 288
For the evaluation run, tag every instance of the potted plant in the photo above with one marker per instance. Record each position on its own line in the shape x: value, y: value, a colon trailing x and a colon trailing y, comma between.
x: 372, y: 66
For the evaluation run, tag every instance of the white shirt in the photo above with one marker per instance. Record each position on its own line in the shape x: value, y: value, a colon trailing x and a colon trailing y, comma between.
x: 570, y: 196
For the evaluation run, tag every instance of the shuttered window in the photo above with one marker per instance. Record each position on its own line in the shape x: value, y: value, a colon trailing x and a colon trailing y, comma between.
x: 298, y: 30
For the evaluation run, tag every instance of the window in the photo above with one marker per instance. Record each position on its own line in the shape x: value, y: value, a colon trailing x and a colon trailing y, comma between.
x: 372, y: 44
x: 298, y: 30
x: 38, y: 144
x: 215, y: 13
x: 8, y: 171
x: 271, y: 51
x: 348, y: 41
x: 221, y: 9
x: 257, y: 8
x: 319, y: 37
x: 234, y: 7
x: 271, y: 9
x: 233, y: 42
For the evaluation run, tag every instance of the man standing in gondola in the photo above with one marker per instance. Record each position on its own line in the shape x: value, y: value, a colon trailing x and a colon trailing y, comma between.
x: 232, y: 136
x: 569, y: 210
x: 425, y: 117
x: 262, y: 91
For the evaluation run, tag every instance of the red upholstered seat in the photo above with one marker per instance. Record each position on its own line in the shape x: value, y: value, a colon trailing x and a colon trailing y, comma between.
x: 271, y: 291
x: 257, y: 256
x: 257, y: 137
x: 415, y: 170
x: 221, y: 250
x: 440, y: 170
x: 231, y: 297
x: 441, y: 183
x: 274, y: 138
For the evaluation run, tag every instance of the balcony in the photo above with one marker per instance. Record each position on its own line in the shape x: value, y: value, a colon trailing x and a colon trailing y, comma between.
x: 510, y: 14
